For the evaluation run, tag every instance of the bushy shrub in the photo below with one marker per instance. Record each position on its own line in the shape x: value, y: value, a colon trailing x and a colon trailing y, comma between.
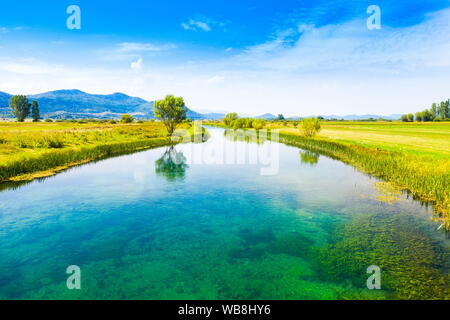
x: 48, y: 120
x: 239, y: 123
x: 126, y: 118
x: 258, y: 124
x: 229, y: 118
x: 410, y: 117
x: 310, y: 126
x: 112, y: 121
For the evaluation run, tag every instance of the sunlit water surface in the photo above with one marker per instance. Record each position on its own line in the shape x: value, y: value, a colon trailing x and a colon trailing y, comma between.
x: 142, y: 227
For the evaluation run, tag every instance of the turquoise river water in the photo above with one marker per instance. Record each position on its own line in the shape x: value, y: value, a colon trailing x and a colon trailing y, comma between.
x: 158, y: 225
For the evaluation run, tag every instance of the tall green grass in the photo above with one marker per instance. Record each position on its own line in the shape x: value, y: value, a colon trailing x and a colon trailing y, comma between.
x: 30, y: 149
x: 25, y: 164
x: 424, y: 179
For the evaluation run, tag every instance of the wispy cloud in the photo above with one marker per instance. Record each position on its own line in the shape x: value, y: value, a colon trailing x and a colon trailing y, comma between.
x: 196, y: 25
x: 215, y: 79
x: 138, y: 46
x: 29, y: 66
x: 137, y: 65
x: 350, y: 47
x: 202, y: 24
x: 126, y: 51
x: 7, y: 29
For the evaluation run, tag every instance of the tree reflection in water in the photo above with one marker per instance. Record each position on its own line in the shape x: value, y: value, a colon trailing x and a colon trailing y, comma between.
x: 172, y: 165
x: 309, y: 157
x: 247, y: 135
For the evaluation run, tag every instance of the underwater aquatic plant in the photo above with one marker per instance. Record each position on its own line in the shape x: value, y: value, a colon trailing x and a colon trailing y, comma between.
x: 411, y: 266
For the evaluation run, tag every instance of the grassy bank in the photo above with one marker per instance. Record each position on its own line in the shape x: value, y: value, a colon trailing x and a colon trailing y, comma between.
x: 412, y: 156
x: 30, y: 150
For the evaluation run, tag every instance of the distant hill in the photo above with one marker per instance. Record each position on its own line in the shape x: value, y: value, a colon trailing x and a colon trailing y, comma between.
x: 79, y: 104
x: 352, y: 117
x: 4, y: 104
x: 364, y: 117
x: 4, y: 99
x: 266, y: 116
x: 213, y: 115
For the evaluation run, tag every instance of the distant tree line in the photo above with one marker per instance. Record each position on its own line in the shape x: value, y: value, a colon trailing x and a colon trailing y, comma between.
x: 309, y: 126
x: 437, y: 112
x: 232, y: 120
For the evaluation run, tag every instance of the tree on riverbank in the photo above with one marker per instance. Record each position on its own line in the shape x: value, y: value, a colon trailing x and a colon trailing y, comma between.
x: 20, y: 107
x: 310, y: 127
x: 229, y: 118
x: 35, y: 111
x: 410, y: 117
x: 172, y: 111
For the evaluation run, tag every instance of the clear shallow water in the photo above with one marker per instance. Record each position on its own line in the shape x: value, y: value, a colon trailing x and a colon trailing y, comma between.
x: 142, y: 227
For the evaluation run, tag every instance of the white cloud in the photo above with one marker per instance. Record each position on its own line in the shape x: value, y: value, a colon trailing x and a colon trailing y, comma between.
x: 215, y: 79
x: 334, y: 69
x: 127, y: 51
x: 137, y: 65
x: 137, y: 46
x: 7, y: 30
x: 351, y: 47
x: 195, y: 25
x: 29, y: 66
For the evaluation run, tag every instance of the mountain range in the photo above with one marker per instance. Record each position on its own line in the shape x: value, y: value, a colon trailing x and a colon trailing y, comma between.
x: 74, y: 103
x: 79, y: 104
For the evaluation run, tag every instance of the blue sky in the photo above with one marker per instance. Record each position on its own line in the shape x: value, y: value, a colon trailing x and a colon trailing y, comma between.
x: 291, y: 57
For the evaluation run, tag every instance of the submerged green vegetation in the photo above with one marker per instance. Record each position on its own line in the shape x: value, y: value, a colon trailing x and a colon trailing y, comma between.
x: 408, y: 259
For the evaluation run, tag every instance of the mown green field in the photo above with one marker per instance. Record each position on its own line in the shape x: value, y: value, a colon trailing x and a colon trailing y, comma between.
x: 415, y: 138
x: 29, y: 150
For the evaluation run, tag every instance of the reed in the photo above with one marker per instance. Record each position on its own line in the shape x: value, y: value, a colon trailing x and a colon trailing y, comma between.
x: 26, y: 152
x: 424, y: 178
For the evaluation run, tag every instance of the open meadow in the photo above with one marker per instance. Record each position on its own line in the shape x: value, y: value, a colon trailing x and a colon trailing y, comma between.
x: 415, y: 138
